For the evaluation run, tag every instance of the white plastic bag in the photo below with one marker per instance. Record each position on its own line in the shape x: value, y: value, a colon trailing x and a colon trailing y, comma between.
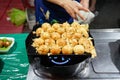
x: 89, y: 16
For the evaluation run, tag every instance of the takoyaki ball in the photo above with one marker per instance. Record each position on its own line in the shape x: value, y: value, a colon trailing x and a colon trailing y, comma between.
x: 77, y: 36
x: 45, y: 26
x: 65, y: 25
x: 83, y: 32
x: 39, y: 31
x: 78, y: 49
x: 50, y: 30
x: 85, y: 26
x: 69, y: 36
x: 55, y: 35
x: 37, y: 42
x: 60, y: 30
x: 67, y: 50
x: 88, y: 45
x: 73, y: 42
x: 64, y: 35
x: 56, y: 26
x: 55, y: 49
x: 79, y: 30
x: 81, y: 40
x: 75, y: 25
x: 61, y: 42
x: 45, y: 35
x: 49, y: 42
x: 70, y: 30
x: 43, y: 50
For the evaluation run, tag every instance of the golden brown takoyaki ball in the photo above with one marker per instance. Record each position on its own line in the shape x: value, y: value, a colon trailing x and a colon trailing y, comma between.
x: 56, y: 26
x: 67, y: 50
x: 83, y: 32
x: 89, y: 48
x: 50, y: 30
x: 64, y: 35
x: 75, y: 24
x: 85, y: 26
x: 39, y: 31
x: 82, y: 40
x: 60, y: 30
x: 43, y: 50
x: 55, y: 35
x: 37, y: 42
x: 73, y: 42
x: 77, y: 36
x: 70, y: 30
x: 88, y: 45
x: 65, y: 25
x: 49, y: 42
x: 69, y: 36
x: 45, y: 26
x: 45, y: 35
x: 61, y: 42
x: 78, y: 49
x: 79, y: 30
x: 55, y: 49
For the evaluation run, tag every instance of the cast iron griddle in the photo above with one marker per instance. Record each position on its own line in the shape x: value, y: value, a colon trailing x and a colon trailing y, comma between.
x: 52, y: 60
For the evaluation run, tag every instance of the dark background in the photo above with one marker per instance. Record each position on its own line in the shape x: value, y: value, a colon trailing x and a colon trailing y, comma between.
x: 109, y: 14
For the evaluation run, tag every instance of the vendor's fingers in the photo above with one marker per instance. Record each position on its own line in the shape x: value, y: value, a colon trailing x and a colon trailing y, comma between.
x: 70, y: 12
x: 81, y: 16
x: 80, y: 7
x: 85, y: 9
x: 78, y: 13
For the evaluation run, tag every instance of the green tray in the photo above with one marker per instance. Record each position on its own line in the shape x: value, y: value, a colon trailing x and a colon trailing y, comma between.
x: 15, y: 62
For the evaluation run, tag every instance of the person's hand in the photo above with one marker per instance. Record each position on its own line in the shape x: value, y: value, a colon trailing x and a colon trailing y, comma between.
x: 73, y: 7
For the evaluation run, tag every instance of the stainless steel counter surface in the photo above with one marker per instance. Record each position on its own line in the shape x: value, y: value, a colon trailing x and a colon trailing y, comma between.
x: 105, y: 30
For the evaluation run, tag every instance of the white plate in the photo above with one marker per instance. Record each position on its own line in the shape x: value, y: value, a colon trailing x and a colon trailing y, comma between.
x: 8, y: 48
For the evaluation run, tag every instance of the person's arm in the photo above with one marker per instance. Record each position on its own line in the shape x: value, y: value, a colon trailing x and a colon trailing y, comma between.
x: 92, y: 6
x: 72, y: 7
x: 85, y: 3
